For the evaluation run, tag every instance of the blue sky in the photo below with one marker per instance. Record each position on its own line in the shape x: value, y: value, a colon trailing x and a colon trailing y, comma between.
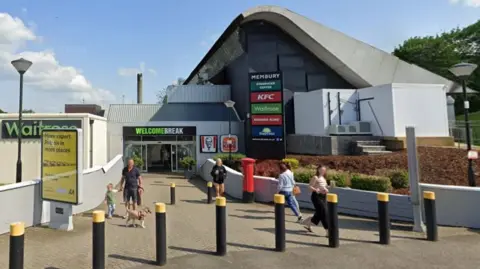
x: 95, y: 40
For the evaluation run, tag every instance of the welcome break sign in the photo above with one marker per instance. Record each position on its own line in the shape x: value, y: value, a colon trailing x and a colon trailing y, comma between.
x: 266, y: 116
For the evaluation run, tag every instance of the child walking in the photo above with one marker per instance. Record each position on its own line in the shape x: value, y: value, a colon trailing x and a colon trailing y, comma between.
x: 110, y: 200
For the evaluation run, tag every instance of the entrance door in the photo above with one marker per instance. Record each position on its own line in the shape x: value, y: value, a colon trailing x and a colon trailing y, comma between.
x: 173, y: 158
x: 139, y: 154
x: 184, y: 150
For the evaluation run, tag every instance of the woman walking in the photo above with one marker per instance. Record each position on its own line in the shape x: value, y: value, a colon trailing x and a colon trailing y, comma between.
x: 219, y: 174
x: 285, y: 187
x: 318, y: 186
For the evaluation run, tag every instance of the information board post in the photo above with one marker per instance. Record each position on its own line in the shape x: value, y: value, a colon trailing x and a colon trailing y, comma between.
x: 62, y: 171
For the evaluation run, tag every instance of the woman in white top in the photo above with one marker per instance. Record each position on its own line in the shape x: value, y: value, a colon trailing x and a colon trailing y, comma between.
x: 318, y: 186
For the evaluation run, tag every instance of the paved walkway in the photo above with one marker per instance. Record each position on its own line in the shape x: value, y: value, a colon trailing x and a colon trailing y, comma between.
x: 191, y: 238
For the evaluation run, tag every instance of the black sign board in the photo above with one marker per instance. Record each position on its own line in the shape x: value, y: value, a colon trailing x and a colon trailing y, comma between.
x: 267, y: 131
x: 158, y: 130
x: 32, y: 129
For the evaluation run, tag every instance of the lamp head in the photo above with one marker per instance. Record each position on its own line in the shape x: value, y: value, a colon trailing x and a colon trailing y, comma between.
x: 229, y: 103
x: 463, y: 70
x: 21, y: 65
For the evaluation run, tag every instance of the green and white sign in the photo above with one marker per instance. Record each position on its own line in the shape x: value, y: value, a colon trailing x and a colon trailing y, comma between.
x: 267, y: 108
x: 32, y: 129
x: 273, y: 85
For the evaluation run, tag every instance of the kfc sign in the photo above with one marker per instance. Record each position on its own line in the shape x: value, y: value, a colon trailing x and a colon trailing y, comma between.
x: 266, y: 97
x: 229, y: 143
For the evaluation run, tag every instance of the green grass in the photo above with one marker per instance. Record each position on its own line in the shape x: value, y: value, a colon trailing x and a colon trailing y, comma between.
x: 475, y: 116
x: 474, y: 119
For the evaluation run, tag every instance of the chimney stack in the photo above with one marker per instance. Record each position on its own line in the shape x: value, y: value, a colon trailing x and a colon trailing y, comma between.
x: 139, y: 88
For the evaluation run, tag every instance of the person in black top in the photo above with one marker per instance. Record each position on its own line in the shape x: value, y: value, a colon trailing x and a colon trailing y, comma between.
x: 219, y: 174
x: 130, y: 183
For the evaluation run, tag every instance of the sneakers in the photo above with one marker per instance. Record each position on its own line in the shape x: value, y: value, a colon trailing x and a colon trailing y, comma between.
x: 300, y: 219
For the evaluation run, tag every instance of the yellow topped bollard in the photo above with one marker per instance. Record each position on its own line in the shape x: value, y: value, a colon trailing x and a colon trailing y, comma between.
x: 98, y: 248
x: 430, y: 215
x: 383, y: 218
x: 17, y: 245
x: 161, y: 233
x: 221, y: 225
x: 172, y: 193
x: 333, y: 237
x: 209, y: 192
x: 280, y: 244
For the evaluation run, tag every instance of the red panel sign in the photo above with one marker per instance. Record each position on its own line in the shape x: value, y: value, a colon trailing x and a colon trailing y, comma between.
x: 267, y: 120
x: 266, y: 97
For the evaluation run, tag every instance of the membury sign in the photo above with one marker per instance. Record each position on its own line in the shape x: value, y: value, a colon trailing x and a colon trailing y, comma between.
x: 266, y: 97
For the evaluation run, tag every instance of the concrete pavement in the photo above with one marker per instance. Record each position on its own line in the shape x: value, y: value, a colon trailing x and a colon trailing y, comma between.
x: 191, y: 236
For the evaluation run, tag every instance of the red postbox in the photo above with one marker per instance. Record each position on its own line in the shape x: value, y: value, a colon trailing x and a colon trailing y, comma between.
x: 248, y: 181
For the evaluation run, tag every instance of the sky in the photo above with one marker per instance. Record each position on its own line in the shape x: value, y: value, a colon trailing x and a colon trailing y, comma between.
x: 89, y: 51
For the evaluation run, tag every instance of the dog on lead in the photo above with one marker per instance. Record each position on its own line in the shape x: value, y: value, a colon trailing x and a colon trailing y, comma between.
x: 134, y: 215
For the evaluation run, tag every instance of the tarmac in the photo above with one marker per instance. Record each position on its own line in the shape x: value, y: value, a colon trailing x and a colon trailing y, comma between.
x: 250, y: 227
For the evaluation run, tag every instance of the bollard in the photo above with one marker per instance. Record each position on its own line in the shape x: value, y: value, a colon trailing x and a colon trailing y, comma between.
x: 430, y: 215
x: 332, y: 201
x: 209, y: 192
x: 383, y: 218
x: 161, y: 233
x: 221, y: 225
x: 98, y: 251
x: 172, y: 193
x: 279, y: 200
x: 17, y: 245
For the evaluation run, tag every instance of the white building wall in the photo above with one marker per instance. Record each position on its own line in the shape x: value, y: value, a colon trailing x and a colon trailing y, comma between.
x: 379, y: 111
x: 100, y: 142
x: 199, y: 94
x: 423, y: 106
x: 347, y: 105
x: 308, y: 113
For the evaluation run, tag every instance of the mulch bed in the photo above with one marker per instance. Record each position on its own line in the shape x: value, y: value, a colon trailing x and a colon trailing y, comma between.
x: 446, y: 166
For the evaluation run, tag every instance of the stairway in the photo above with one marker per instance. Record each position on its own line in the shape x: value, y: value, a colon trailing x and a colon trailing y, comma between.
x: 370, y: 147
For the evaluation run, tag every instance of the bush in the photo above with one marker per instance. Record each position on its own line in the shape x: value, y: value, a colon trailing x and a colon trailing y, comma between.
x: 398, y: 177
x: 294, y: 163
x: 235, y: 163
x: 188, y: 162
x: 137, y: 160
x: 341, y: 178
x: 370, y: 183
x: 303, y: 175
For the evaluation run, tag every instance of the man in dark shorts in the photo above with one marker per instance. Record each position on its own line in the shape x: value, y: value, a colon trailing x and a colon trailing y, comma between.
x: 130, y: 183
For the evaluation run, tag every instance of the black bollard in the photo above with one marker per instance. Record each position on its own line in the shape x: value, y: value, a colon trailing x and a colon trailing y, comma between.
x: 279, y: 200
x: 383, y: 218
x: 161, y: 233
x: 221, y: 225
x: 430, y: 215
x: 209, y: 192
x: 98, y: 251
x: 17, y: 245
x: 333, y: 239
x: 172, y: 193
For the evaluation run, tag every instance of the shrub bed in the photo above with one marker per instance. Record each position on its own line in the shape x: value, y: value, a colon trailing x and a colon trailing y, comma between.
x: 235, y: 162
x: 370, y: 183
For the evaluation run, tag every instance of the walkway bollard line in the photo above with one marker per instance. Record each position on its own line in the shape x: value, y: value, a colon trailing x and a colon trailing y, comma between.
x: 383, y: 218
x: 172, y: 193
x: 430, y: 215
x: 279, y: 200
x: 332, y: 202
x: 161, y: 233
x: 221, y: 225
x: 98, y: 240
x: 209, y: 192
x: 17, y: 245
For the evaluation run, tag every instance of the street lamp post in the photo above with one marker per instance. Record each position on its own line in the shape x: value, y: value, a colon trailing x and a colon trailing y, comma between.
x: 230, y: 104
x: 463, y: 71
x: 22, y: 66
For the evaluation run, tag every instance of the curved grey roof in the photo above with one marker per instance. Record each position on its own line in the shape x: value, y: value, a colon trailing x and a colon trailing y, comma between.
x: 357, y: 62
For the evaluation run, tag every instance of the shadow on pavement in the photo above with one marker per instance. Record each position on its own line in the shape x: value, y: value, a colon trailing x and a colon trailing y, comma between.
x: 250, y: 247
x: 308, y: 244
x: 202, y: 201
x: 253, y: 211
x: 50, y: 267
x: 192, y: 250
x: 405, y: 237
x: 369, y: 225
x: 159, y: 183
x: 132, y: 259
x: 251, y: 217
x: 287, y: 231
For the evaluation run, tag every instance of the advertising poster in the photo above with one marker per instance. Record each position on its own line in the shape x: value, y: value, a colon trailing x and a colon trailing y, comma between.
x: 60, y: 166
x: 208, y: 144
x: 229, y: 143
x: 267, y: 129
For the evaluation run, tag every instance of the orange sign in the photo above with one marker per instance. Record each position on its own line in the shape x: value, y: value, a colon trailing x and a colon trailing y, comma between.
x: 229, y: 143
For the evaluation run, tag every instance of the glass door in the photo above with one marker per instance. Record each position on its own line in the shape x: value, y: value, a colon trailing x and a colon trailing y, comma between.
x: 173, y: 158
x: 139, y: 155
x: 184, y: 150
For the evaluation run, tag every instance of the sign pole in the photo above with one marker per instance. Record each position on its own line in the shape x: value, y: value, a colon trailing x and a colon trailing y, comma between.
x: 414, y: 177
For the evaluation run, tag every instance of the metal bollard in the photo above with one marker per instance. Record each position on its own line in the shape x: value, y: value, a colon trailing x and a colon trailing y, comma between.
x: 279, y: 222
x: 172, y: 193
x: 383, y: 218
x: 161, y: 233
x: 209, y: 192
x: 221, y: 225
x: 98, y: 240
x: 17, y: 245
x: 333, y: 238
x: 430, y: 215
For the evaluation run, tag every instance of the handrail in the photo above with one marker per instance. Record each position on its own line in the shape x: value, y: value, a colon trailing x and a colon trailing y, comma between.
x: 375, y: 116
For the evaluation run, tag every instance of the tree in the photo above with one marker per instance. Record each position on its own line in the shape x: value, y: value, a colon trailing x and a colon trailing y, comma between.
x: 28, y: 111
x: 438, y: 53
x: 162, y: 95
x: 1, y: 111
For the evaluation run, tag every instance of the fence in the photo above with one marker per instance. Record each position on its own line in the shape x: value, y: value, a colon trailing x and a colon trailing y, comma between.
x: 458, y: 132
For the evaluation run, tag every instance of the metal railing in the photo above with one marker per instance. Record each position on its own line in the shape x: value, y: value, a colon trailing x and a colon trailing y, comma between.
x: 458, y: 131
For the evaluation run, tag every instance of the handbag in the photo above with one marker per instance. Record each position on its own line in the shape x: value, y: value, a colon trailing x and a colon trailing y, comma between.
x: 296, y: 190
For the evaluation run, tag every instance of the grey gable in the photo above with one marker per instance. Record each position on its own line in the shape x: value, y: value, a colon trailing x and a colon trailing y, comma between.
x: 194, y: 112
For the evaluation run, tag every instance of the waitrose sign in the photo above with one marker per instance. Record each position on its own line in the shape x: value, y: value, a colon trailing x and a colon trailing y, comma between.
x: 32, y: 129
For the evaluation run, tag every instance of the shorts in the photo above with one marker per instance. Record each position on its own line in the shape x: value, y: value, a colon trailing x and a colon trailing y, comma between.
x: 130, y: 195
x: 218, y: 180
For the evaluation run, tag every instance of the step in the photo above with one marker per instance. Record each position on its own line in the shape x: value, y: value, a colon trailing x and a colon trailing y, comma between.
x: 376, y: 152
x: 371, y: 148
x: 369, y: 142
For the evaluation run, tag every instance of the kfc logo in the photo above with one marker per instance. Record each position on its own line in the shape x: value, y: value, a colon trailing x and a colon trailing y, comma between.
x: 266, y: 97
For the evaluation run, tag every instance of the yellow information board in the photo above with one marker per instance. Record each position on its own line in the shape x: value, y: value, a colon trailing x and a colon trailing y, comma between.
x: 60, y: 166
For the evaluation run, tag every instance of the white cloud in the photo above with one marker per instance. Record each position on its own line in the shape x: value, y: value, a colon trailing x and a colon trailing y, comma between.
x: 133, y: 71
x: 46, y: 73
x: 470, y: 3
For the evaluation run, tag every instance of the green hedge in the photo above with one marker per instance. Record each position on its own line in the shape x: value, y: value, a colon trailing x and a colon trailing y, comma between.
x: 225, y: 156
x: 370, y: 183
x: 294, y: 163
x: 303, y: 175
x: 398, y: 177
x: 341, y: 178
